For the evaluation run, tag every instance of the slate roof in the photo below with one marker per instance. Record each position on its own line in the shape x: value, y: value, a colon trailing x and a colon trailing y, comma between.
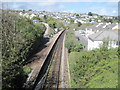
x: 100, y: 27
x: 82, y: 39
x: 94, y: 28
x: 106, y: 34
x: 111, y: 26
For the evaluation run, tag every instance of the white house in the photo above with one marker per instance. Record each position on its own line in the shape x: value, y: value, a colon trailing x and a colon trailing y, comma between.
x: 32, y: 15
x: 20, y: 13
x: 96, y: 40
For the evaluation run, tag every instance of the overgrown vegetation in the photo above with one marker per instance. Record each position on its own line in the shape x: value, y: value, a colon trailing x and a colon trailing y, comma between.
x: 54, y: 24
x: 91, y: 69
x: 94, y: 69
x: 20, y: 37
x: 72, y: 44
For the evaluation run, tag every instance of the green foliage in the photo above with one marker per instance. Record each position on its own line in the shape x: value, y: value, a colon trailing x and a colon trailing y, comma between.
x: 94, y: 69
x: 72, y: 43
x: 26, y: 70
x: 79, y: 24
x: 90, y: 14
x: 90, y: 20
x: 51, y: 32
x: 45, y: 17
x: 52, y: 22
x: 19, y: 36
x: 108, y: 20
x: 71, y: 20
x: 88, y: 24
x: 60, y: 25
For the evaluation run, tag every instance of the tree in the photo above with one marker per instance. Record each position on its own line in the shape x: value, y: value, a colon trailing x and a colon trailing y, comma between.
x: 45, y: 17
x: 79, y: 24
x: 30, y: 10
x: 110, y: 20
x: 52, y: 24
x: 23, y: 11
x: 19, y: 37
x: 90, y: 20
x: 77, y: 15
x: 71, y: 20
x: 90, y: 14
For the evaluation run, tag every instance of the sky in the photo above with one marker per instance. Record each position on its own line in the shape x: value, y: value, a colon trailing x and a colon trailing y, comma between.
x: 101, y: 8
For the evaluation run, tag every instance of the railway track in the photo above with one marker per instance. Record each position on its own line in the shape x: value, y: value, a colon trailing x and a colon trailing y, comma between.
x: 49, y: 77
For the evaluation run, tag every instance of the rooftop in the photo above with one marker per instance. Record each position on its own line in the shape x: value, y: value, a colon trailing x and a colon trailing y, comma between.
x: 106, y: 34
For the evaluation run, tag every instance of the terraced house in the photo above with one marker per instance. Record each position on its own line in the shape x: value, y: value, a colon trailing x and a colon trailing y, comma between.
x: 94, y: 36
x: 96, y: 40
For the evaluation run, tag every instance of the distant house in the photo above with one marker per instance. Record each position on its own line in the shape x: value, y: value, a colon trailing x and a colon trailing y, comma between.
x: 21, y: 13
x: 32, y: 15
x: 97, y: 39
x: 82, y: 38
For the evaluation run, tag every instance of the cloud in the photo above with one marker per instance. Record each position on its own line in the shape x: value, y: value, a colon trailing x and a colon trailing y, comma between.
x: 99, y: 8
x: 69, y: 11
x: 15, y: 6
x: 60, y: 1
x: 114, y: 11
x: 47, y: 3
x: 61, y: 6
x: 103, y: 12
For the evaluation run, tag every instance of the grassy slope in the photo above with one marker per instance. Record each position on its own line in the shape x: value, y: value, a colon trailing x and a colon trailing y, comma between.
x: 94, y: 69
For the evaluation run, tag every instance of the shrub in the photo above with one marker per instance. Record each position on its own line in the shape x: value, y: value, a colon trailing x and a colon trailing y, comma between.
x: 19, y: 37
x: 71, y: 43
x: 94, y: 69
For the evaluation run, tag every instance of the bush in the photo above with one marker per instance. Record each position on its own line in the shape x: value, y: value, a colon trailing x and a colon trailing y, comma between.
x: 71, y: 43
x: 94, y: 69
x: 26, y: 70
x: 19, y: 37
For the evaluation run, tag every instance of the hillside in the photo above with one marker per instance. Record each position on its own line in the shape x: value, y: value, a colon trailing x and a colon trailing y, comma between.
x: 94, y: 69
x: 20, y: 38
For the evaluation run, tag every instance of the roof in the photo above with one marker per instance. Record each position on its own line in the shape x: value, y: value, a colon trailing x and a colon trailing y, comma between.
x: 83, y: 40
x: 111, y: 26
x: 106, y: 34
x: 100, y: 27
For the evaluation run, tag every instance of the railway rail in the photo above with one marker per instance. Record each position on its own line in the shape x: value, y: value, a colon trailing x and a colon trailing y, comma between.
x: 49, y: 76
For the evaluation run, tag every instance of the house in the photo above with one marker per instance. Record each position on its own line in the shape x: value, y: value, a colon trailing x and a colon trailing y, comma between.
x: 82, y: 38
x: 96, y: 40
x: 32, y: 15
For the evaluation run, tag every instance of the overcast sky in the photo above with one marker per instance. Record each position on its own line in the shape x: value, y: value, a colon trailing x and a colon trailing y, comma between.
x: 102, y: 8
